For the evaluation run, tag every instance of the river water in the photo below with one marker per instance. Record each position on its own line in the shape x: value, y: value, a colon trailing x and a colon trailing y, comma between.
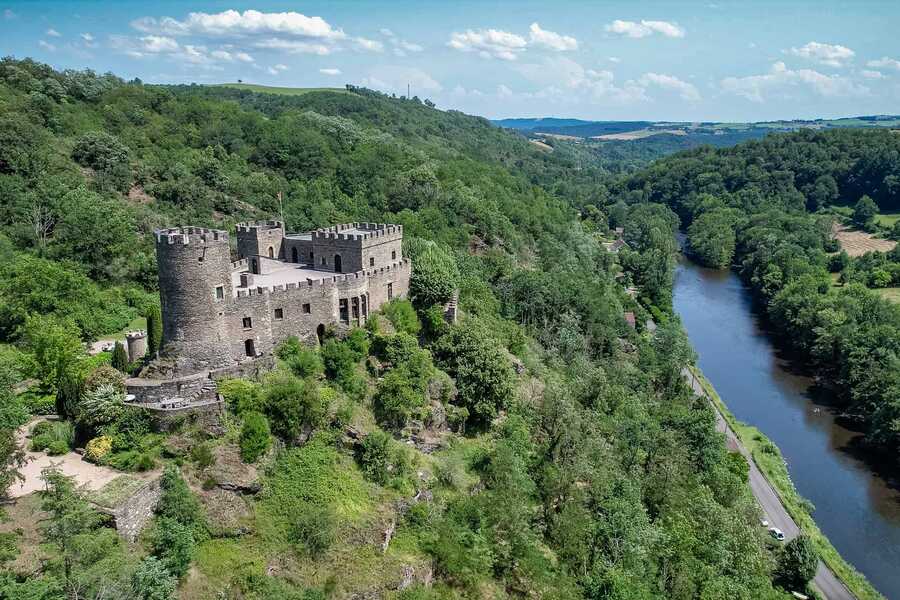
x: 856, y: 508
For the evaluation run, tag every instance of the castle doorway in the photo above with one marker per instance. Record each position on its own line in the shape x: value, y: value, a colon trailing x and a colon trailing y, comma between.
x: 250, y: 348
x: 294, y: 256
x: 337, y: 263
x: 271, y: 252
x: 254, y: 266
x: 320, y: 333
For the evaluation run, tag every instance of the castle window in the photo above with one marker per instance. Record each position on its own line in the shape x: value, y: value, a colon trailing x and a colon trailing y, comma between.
x: 354, y: 308
x: 248, y: 323
x: 324, y: 262
x: 220, y: 292
x: 371, y: 261
x: 307, y: 309
x: 364, y: 303
x: 344, y: 313
x: 390, y: 291
x: 294, y: 256
x: 393, y: 255
x: 279, y: 314
x: 271, y: 252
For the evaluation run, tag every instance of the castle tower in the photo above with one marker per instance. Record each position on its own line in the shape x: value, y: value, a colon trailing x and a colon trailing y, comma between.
x: 137, y: 344
x: 260, y: 238
x: 195, y: 289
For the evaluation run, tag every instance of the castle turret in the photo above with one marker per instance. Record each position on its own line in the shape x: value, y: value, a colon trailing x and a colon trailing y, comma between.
x: 260, y: 238
x: 195, y: 289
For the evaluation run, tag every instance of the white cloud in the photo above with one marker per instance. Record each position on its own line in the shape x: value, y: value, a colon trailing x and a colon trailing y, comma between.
x: 295, y: 47
x: 503, y: 91
x: 250, y: 22
x: 330, y: 71
x: 614, y: 59
x: 561, y: 76
x: 46, y: 46
x: 488, y: 43
x: 400, y: 47
x: 684, y: 89
x: 872, y: 74
x: 53, y: 33
x: 551, y: 39
x: 87, y: 37
x: 780, y: 80
x: 395, y: 79
x: 226, y: 56
x: 832, y: 55
x: 157, y: 43
x: 276, y: 69
x: 885, y: 63
x: 645, y: 28
x: 369, y: 45
x: 386, y: 32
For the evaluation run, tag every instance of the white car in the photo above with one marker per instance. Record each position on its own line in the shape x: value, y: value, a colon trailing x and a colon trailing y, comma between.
x: 777, y: 533
x: 764, y: 522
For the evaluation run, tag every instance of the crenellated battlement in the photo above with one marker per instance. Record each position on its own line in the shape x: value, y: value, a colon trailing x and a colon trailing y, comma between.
x: 251, y: 226
x: 358, y: 232
x: 187, y: 235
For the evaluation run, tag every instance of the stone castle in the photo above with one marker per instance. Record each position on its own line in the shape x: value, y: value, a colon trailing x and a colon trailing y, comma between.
x: 221, y: 316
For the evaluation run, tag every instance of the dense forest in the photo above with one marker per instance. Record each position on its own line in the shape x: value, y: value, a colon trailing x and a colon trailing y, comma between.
x: 575, y: 461
x: 768, y: 208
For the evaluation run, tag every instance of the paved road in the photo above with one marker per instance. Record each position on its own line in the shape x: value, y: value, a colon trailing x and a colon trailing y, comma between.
x: 825, y: 580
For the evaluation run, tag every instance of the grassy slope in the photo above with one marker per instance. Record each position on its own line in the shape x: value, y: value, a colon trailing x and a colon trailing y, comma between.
x: 768, y: 458
x: 286, y: 91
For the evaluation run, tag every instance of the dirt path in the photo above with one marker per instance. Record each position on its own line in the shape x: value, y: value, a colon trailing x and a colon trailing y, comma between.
x: 825, y: 580
x: 91, y: 476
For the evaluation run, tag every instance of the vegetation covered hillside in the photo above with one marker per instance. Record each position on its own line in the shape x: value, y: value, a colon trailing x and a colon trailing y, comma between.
x: 769, y: 207
x: 541, y: 447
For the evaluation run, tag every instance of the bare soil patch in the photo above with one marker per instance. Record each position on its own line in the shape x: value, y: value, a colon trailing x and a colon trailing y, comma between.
x: 857, y: 243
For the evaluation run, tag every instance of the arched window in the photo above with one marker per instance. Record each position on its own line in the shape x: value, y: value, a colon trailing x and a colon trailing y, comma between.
x: 271, y: 252
x: 250, y: 348
x: 294, y: 256
x: 337, y: 263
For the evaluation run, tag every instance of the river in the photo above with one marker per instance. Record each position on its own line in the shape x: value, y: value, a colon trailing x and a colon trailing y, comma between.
x: 856, y: 508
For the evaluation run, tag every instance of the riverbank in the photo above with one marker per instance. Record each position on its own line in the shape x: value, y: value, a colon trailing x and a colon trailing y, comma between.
x: 768, y: 459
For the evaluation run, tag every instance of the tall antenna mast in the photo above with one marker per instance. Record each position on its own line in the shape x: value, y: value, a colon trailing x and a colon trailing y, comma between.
x: 407, y: 91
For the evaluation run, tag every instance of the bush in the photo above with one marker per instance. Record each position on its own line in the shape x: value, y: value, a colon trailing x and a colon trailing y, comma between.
x: 132, y: 460
x: 313, y: 529
x: 483, y: 374
x: 104, y: 375
x: 40, y: 404
x: 435, y: 276
x: 119, y: 360
x: 402, y: 316
x: 101, y: 406
x: 98, y: 448
x: 202, y: 456
x: 396, y: 400
x: 383, y: 460
x: 306, y: 363
x: 152, y: 581
x: 797, y: 563
x: 255, y: 437
x: 292, y: 404
x: 173, y: 543
x: 178, y: 503
x: 241, y: 395
x: 56, y: 437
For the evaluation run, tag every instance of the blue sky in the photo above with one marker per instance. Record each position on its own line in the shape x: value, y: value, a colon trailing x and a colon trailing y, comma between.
x: 709, y: 60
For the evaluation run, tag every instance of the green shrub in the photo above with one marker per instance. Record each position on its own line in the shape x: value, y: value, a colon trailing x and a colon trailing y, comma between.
x: 202, y: 456
x: 358, y: 342
x: 383, y: 460
x: 402, y: 316
x: 435, y: 276
x: 152, y: 580
x: 289, y: 348
x: 104, y: 375
x: 132, y: 460
x: 178, y: 503
x: 241, y: 395
x: 40, y: 404
x: 306, y: 363
x: 101, y: 405
x: 56, y: 437
x: 119, y: 360
x: 313, y: 529
x: 292, y: 404
x: 255, y: 437
x: 174, y: 544
x: 797, y: 563
x: 396, y: 400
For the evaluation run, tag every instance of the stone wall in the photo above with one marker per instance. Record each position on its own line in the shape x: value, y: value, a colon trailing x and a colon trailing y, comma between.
x: 131, y: 516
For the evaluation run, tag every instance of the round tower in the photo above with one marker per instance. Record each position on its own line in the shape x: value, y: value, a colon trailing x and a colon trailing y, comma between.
x: 195, y: 289
x: 137, y: 344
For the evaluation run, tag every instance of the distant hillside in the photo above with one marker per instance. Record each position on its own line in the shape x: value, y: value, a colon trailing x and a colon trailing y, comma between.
x: 541, y: 124
x: 287, y: 91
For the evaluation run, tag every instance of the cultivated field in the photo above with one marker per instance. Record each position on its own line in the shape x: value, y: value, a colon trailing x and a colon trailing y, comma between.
x: 857, y: 243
